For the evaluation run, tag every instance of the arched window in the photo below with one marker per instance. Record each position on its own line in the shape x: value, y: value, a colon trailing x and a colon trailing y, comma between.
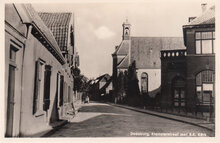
x: 205, y: 87
x: 179, y: 92
x: 144, y: 83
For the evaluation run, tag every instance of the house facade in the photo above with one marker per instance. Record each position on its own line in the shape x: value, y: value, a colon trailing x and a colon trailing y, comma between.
x: 38, y: 81
x: 188, y: 78
x: 145, y: 51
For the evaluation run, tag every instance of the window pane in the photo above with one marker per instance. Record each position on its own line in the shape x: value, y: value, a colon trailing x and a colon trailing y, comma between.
x: 176, y: 104
x: 206, y: 46
x: 182, y: 94
x: 213, y: 46
x: 206, y: 35
x: 176, y: 94
x: 207, y: 87
x: 198, y: 47
x: 183, y: 104
x: 198, y: 35
x: 199, y: 97
x: 207, y: 96
x: 12, y: 54
x: 198, y: 88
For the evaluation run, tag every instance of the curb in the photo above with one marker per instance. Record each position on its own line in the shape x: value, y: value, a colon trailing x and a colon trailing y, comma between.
x: 183, y: 121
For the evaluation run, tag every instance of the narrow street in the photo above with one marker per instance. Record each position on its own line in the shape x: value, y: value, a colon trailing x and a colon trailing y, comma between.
x: 104, y: 120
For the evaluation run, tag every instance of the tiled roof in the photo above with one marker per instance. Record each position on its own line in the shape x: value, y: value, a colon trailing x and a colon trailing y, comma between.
x: 59, y: 25
x: 208, y: 17
x: 29, y: 15
x: 146, y: 50
x: 124, y: 63
x: 123, y: 48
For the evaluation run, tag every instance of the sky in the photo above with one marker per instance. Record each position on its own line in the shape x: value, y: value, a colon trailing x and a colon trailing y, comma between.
x: 98, y: 26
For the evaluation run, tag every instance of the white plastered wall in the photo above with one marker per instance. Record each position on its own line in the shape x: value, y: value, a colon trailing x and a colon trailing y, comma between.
x: 154, y: 78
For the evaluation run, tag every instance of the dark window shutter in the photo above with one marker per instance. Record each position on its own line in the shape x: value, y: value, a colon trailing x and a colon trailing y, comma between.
x: 61, y: 90
x: 47, y: 87
x: 36, y: 88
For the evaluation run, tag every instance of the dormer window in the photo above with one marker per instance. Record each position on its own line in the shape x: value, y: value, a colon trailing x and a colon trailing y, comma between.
x: 205, y: 42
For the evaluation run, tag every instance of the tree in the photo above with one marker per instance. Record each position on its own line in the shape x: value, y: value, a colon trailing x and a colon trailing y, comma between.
x: 132, y: 91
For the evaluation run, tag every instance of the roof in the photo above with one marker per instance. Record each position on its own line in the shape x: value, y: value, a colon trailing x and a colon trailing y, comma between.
x: 124, y: 63
x: 106, y: 85
x: 123, y: 48
x: 146, y: 50
x: 59, y: 25
x: 30, y: 16
x: 208, y: 17
x: 105, y: 76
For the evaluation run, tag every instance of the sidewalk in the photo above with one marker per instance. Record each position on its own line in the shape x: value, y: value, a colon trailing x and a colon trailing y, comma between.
x: 192, y: 121
x: 53, y: 127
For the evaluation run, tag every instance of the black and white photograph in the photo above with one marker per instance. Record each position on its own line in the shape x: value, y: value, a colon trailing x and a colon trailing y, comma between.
x: 109, y: 69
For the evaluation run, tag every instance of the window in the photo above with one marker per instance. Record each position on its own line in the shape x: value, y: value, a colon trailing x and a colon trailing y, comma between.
x: 205, y: 87
x: 144, y: 83
x: 47, y: 75
x: 205, y: 42
x: 38, y: 89
x: 61, y: 90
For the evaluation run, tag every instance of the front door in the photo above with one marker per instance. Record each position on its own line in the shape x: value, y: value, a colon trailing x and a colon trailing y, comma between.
x: 179, y: 97
x: 10, y: 105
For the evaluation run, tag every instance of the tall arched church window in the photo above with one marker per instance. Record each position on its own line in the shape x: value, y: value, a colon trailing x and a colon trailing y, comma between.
x: 144, y: 83
x: 205, y: 87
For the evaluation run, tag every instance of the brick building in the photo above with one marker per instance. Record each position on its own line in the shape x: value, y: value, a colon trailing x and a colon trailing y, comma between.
x: 38, y: 81
x: 188, y: 76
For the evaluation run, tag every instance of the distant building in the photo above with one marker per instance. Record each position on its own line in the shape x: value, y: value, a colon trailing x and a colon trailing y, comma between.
x: 102, y: 87
x: 188, y: 76
x: 38, y: 82
x: 145, y: 51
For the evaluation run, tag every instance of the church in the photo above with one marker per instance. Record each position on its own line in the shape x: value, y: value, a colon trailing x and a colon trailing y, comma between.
x: 145, y: 51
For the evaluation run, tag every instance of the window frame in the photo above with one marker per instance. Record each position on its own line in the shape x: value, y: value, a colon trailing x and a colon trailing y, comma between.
x: 201, y: 85
x: 39, y: 88
x: 200, y: 39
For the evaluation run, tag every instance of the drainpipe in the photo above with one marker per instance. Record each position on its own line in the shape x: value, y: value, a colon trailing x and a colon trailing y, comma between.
x: 29, y: 28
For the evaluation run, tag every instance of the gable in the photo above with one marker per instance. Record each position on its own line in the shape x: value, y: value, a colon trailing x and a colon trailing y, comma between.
x: 14, y: 19
x: 146, y: 50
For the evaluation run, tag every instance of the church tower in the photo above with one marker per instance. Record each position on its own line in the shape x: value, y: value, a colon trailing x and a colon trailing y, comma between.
x: 126, y: 30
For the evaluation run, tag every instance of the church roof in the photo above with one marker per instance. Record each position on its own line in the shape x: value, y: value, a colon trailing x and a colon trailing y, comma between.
x: 146, y: 50
x: 59, y: 25
x: 123, y: 48
x: 208, y: 17
x: 124, y: 63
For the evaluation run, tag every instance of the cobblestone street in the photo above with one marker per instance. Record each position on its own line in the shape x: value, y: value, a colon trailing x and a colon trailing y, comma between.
x: 103, y: 120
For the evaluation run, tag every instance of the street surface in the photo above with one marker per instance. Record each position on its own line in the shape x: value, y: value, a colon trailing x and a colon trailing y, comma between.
x: 103, y: 120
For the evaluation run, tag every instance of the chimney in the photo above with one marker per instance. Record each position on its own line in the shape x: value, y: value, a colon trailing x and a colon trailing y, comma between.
x: 204, y: 6
x: 191, y: 19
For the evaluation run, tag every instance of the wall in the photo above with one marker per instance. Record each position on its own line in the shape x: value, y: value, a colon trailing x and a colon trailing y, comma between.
x: 15, y: 34
x: 205, y: 62
x: 154, y: 78
x: 170, y: 68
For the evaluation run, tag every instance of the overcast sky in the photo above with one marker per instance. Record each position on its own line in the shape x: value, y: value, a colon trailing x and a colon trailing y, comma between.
x: 98, y: 26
